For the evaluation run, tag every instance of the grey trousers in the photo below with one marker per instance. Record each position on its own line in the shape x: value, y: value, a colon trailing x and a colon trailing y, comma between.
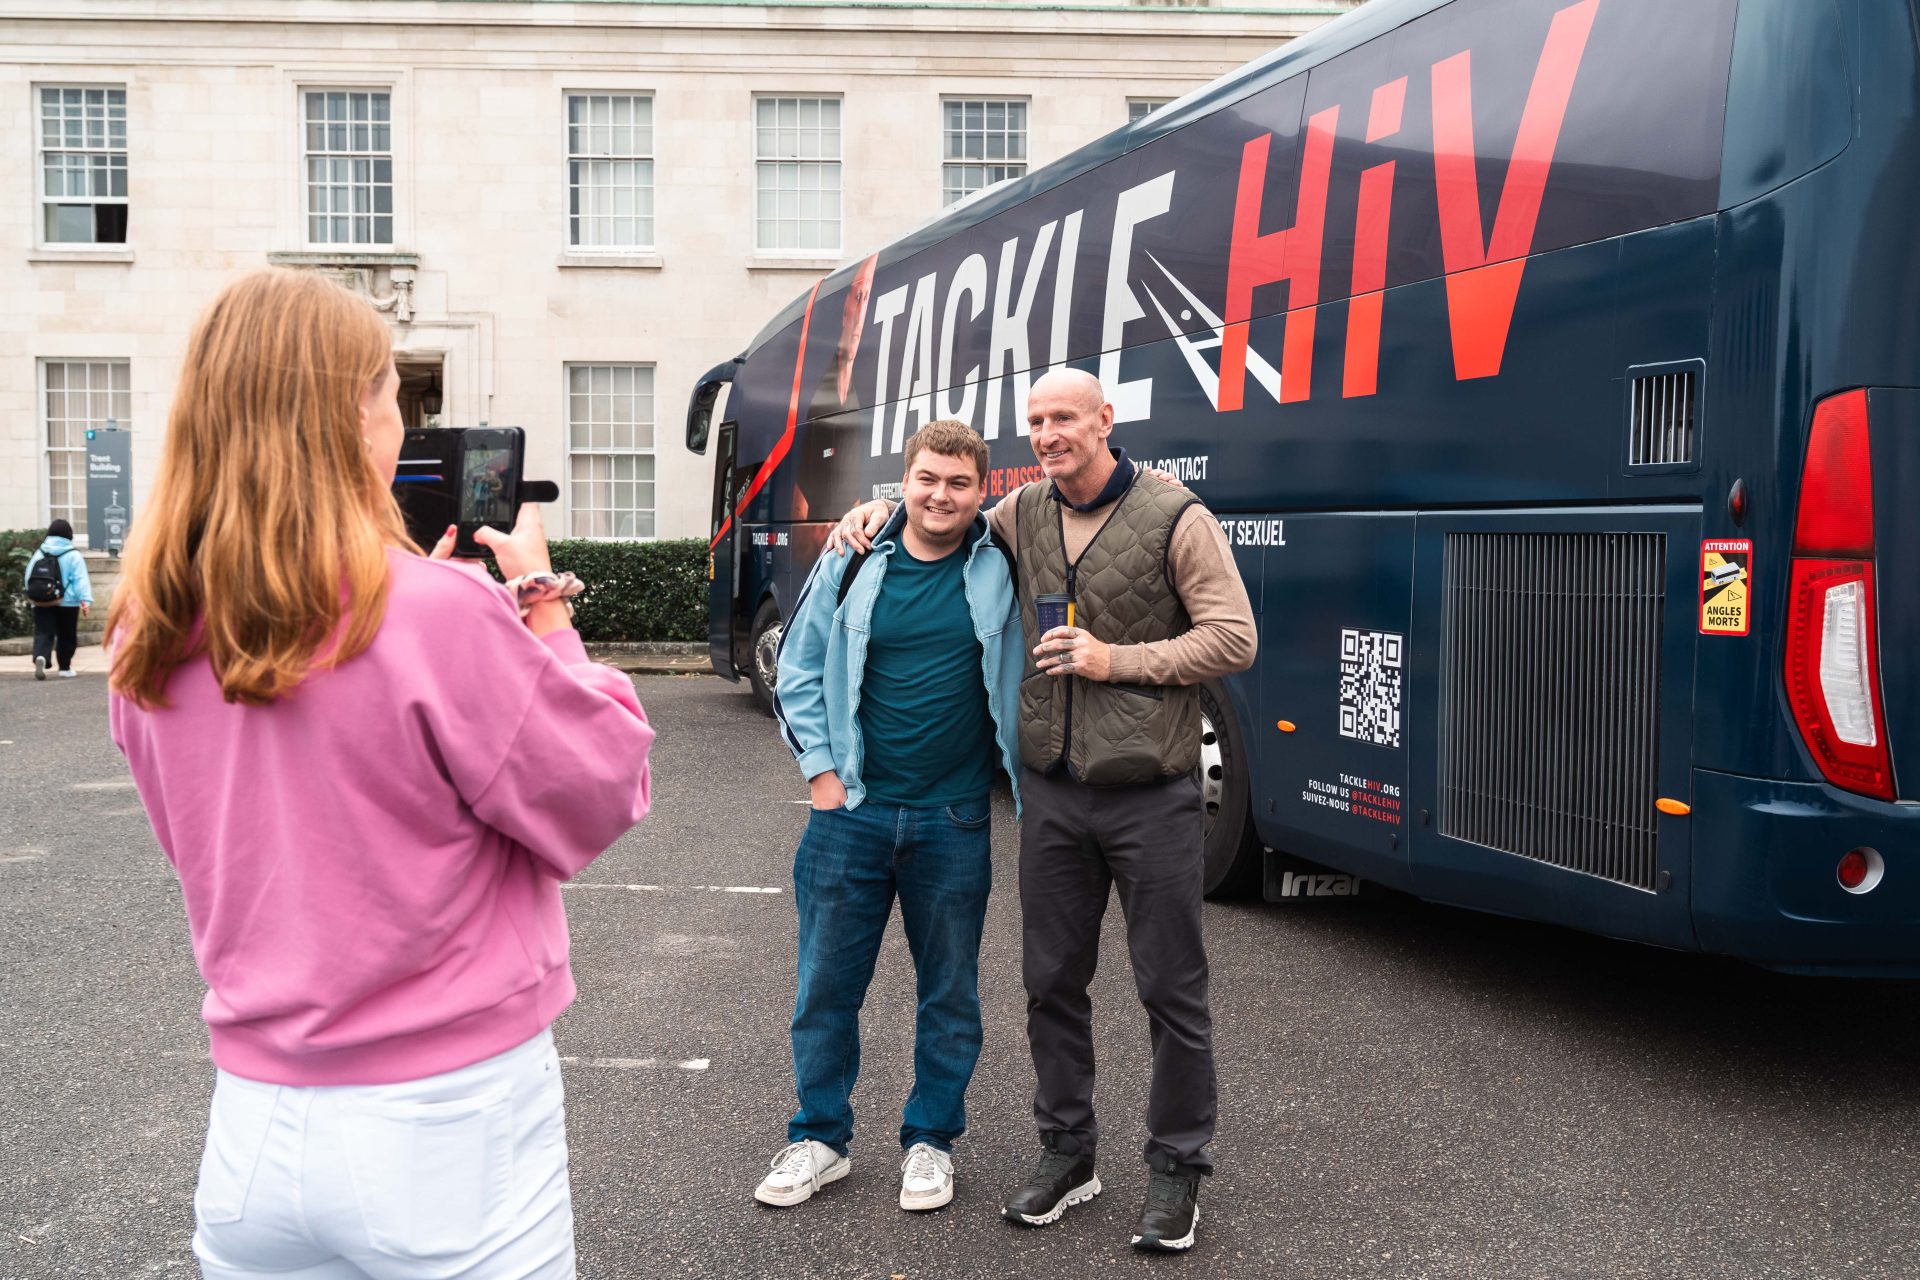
x: 1075, y: 842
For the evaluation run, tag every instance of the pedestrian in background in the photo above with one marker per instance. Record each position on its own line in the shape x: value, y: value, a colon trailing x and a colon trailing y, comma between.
x: 371, y: 770
x: 60, y: 591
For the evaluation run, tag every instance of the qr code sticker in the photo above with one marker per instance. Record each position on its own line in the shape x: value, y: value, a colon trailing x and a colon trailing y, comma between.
x: 1370, y: 670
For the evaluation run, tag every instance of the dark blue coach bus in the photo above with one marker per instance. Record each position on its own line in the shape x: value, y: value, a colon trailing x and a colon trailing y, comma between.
x: 1554, y: 367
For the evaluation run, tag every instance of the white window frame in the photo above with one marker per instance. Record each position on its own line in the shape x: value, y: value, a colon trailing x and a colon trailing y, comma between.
x: 1134, y: 113
x: 76, y: 513
x: 591, y: 450
x: 952, y: 192
x: 649, y: 245
x: 303, y: 180
x: 40, y: 149
x: 839, y: 169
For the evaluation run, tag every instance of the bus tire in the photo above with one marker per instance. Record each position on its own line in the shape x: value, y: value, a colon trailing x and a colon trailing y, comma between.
x: 1231, y: 846
x: 763, y: 651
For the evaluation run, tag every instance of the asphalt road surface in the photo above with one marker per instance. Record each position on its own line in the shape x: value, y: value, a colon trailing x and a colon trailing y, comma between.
x: 1406, y: 1090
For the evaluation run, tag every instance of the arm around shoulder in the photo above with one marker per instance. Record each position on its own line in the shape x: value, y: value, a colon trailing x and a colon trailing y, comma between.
x: 1003, y: 519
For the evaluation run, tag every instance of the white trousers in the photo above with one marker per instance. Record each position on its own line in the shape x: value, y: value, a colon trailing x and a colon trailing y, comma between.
x: 461, y: 1175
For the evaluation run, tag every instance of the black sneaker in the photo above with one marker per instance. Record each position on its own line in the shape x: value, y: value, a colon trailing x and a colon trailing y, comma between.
x: 1172, y: 1211
x: 1060, y: 1181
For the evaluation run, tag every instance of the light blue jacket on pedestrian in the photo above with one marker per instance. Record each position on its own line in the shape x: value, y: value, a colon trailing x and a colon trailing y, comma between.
x: 73, y: 571
x: 823, y: 656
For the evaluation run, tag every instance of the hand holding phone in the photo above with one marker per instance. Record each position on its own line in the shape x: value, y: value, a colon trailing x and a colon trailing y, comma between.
x: 522, y: 551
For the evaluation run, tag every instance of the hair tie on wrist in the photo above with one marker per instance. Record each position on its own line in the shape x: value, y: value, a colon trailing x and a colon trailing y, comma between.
x: 530, y: 589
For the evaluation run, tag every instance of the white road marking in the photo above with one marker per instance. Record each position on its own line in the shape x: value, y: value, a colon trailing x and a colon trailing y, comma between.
x: 118, y: 784
x: 639, y: 1064
x: 26, y: 853
x: 678, y: 888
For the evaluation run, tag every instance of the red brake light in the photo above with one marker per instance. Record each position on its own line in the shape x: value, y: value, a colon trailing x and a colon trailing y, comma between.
x: 1833, y: 666
x: 1832, y: 653
x: 1836, y: 486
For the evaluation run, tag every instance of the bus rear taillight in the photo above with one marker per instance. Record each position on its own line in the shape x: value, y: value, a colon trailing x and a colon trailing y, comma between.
x: 1833, y: 660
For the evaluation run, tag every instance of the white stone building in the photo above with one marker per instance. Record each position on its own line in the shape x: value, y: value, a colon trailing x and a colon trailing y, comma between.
x: 575, y: 281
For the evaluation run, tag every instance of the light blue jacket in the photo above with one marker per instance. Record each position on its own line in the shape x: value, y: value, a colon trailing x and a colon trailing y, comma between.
x: 73, y: 571
x: 823, y: 656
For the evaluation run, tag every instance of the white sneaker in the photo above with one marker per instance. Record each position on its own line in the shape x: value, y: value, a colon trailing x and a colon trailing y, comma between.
x: 39, y: 668
x: 926, y: 1178
x: 799, y: 1171
x: 68, y: 674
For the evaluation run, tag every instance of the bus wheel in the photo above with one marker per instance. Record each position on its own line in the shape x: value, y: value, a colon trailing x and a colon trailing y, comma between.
x: 1232, y: 848
x: 762, y: 668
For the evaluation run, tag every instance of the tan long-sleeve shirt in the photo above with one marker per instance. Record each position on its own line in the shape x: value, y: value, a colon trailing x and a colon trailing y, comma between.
x: 1222, y: 640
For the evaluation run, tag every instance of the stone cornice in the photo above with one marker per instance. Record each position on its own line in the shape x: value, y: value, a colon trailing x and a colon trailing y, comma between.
x: 1174, y: 20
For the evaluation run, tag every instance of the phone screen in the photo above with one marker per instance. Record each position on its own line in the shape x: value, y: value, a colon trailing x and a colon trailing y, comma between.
x: 483, y: 487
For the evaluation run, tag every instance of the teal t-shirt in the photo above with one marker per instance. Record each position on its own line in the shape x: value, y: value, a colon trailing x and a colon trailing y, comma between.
x: 926, y: 735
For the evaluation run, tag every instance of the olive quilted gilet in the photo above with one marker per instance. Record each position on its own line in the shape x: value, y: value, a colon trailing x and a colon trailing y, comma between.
x: 1109, y: 734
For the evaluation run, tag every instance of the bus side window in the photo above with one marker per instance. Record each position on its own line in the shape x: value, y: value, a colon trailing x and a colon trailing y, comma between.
x: 1790, y: 97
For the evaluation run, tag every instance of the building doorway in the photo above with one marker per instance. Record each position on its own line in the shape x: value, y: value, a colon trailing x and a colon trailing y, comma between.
x: 422, y: 388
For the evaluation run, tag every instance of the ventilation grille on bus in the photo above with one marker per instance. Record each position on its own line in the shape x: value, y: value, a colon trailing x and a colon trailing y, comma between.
x: 1661, y: 432
x: 1550, y: 660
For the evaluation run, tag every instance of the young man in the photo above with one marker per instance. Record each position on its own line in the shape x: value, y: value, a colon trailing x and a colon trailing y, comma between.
x: 1110, y: 746
x: 898, y: 684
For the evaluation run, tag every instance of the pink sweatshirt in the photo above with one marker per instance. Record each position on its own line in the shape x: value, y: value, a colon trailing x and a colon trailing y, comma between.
x: 372, y: 864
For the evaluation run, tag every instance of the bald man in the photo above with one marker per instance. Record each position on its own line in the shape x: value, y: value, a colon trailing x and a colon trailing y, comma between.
x: 1109, y: 728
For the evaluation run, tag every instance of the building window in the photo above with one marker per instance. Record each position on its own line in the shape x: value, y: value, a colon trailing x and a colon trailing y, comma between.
x: 609, y: 171
x: 1139, y: 109
x: 610, y: 450
x: 985, y: 143
x: 83, y: 165
x: 796, y: 153
x: 349, y: 150
x: 78, y: 394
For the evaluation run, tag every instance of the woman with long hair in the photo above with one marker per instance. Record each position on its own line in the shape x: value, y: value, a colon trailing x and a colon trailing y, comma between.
x: 371, y: 770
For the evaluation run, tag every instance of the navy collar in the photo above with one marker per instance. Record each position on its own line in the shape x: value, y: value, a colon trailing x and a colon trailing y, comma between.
x: 1117, y: 484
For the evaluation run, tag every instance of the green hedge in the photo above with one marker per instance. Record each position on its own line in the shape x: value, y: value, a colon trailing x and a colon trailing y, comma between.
x: 16, y: 548
x: 637, y: 590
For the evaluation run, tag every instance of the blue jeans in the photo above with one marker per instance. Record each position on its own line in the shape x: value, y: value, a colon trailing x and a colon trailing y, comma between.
x: 848, y: 869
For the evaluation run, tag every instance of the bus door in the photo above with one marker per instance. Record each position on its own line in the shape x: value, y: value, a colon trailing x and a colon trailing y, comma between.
x: 1552, y: 715
x: 723, y: 556
x: 1330, y: 747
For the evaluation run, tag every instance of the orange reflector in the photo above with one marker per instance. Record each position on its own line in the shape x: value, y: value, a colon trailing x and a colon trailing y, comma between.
x: 1678, y: 808
x: 1285, y: 726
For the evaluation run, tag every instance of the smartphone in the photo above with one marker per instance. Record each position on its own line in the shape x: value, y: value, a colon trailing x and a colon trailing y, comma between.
x: 470, y: 479
x: 488, y: 492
